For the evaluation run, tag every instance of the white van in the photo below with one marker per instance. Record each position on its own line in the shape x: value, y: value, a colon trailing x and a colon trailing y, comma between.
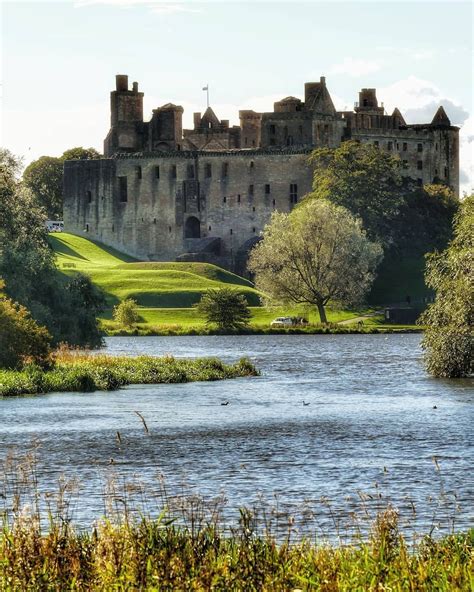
x: 54, y: 225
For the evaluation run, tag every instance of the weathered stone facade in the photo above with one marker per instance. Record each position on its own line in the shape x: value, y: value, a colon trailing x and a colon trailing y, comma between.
x: 164, y: 193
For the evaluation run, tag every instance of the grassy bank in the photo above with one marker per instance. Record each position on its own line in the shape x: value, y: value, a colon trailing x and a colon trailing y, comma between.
x: 155, y: 555
x: 86, y: 373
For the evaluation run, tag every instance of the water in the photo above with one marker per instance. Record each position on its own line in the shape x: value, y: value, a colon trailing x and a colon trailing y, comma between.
x: 370, y: 429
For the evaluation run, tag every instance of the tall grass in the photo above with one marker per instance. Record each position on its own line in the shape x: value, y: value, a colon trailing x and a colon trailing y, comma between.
x: 74, y: 371
x: 187, y: 547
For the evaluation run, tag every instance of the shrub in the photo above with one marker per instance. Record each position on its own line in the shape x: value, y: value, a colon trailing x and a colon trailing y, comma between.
x: 21, y: 338
x: 126, y: 313
x: 225, y: 308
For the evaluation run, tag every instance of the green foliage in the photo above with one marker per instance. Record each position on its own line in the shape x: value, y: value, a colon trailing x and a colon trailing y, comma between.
x: 21, y: 338
x: 317, y: 253
x: 126, y: 313
x: 225, y: 308
x: 449, y: 336
x: 67, y: 307
x: 44, y: 177
x: 363, y: 179
x: 83, y: 373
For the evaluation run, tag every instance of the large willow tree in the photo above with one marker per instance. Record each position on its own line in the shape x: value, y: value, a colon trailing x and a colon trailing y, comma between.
x: 449, y: 338
x: 316, y: 254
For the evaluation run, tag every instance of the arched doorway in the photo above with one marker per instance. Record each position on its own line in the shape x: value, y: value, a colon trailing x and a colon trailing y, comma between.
x: 192, y: 228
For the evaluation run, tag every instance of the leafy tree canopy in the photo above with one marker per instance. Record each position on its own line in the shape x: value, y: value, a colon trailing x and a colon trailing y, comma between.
x: 44, y: 177
x: 317, y: 253
x: 449, y: 338
x: 126, y: 313
x: 363, y: 179
x: 225, y: 308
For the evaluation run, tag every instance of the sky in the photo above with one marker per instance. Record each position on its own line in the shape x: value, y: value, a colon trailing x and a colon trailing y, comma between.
x: 59, y: 61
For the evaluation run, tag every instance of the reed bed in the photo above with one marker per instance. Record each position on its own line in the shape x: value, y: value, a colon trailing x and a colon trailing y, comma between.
x: 186, y: 546
x: 83, y: 372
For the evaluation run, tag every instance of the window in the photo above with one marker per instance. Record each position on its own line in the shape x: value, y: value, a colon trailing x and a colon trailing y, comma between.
x: 87, y: 227
x: 436, y: 146
x: 289, y: 141
x: 210, y: 228
x: 190, y: 171
x: 376, y: 143
x: 224, y: 199
x: 272, y: 141
x: 405, y: 146
x: 390, y: 146
x: 420, y: 182
x: 272, y: 129
x: 246, y: 140
x: 419, y: 165
x: 293, y: 192
x: 89, y: 196
x: 420, y: 147
x: 174, y: 172
x: 267, y: 189
x: 138, y: 172
x: 252, y: 164
x: 231, y: 230
x: 253, y: 209
x: 225, y: 169
x: 251, y: 190
x: 273, y: 203
x: 154, y: 220
x: 208, y: 170
x: 445, y: 172
x: 398, y: 146
x: 238, y: 198
x: 169, y: 228
x: 253, y: 229
x: 123, y: 189
x: 157, y: 172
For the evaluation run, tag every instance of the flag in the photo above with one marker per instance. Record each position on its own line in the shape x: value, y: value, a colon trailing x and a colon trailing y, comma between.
x: 205, y: 87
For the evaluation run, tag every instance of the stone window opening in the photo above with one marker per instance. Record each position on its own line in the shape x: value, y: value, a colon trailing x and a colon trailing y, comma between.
x: 289, y: 141
x: 192, y: 228
x: 405, y: 146
x: 174, y: 172
x: 225, y: 169
x: 419, y: 165
x: 253, y: 209
x: 224, y: 199
x: 436, y: 146
x: 272, y: 129
x: 251, y: 190
x: 376, y: 143
x: 89, y: 196
x: 87, y: 227
x: 208, y: 170
x: 157, y: 172
x: 210, y: 228
x: 123, y: 189
x: 253, y: 143
x: 445, y: 172
x: 169, y: 228
x: 246, y: 140
x: 390, y: 146
x: 293, y: 193
x: 231, y: 231
x: 190, y: 171
x: 252, y: 164
x: 253, y: 230
x: 138, y: 171
x: 267, y: 189
x: 419, y: 182
x: 238, y: 198
x: 272, y: 141
x: 273, y: 203
x: 154, y: 220
x: 420, y: 147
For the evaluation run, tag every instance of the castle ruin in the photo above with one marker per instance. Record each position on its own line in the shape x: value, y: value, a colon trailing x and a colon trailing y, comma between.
x: 162, y: 193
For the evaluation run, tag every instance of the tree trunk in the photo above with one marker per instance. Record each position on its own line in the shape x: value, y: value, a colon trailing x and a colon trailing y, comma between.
x: 322, y: 314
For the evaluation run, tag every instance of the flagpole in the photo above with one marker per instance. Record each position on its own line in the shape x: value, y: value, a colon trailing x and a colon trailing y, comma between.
x: 207, y: 90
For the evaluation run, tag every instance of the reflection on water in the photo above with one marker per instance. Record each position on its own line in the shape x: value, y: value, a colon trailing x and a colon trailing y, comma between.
x: 370, y: 420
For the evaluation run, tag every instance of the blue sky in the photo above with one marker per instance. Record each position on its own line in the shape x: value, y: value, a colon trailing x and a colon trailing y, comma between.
x: 59, y: 60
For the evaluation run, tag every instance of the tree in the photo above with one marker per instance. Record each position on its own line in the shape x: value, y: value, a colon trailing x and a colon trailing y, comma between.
x: 363, y: 179
x: 126, y: 313
x: 225, y: 308
x: 448, y: 341
x: 45, y: 178
x: 67, y: 307
x: 21, y: 338
x: 317, y: 253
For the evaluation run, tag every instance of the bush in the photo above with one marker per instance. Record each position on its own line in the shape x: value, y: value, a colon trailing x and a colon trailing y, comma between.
x: 126, y: 313
x: 225, y: 308
x: 21, y: 338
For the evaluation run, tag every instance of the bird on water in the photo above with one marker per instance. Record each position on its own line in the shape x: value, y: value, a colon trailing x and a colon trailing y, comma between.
x: 305, y: 404
x: 225, y: 403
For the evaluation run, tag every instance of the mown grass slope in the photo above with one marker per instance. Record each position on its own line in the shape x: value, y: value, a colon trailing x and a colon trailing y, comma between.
x: 151, y: 284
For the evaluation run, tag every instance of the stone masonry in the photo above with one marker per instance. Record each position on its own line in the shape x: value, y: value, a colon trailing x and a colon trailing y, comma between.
x: 162, y: 193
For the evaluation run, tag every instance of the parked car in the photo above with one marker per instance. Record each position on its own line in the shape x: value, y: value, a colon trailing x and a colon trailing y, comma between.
x: 54, y: 225
x: 282, y: 322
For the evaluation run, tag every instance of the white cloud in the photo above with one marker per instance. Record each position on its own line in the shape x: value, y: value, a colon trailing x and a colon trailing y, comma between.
x: 356, y: 67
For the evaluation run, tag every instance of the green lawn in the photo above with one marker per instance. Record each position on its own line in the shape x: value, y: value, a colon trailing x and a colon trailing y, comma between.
x: 166, y: 292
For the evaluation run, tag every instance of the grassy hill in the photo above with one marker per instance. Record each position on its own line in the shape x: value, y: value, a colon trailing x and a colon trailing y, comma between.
x: 151, y: 284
